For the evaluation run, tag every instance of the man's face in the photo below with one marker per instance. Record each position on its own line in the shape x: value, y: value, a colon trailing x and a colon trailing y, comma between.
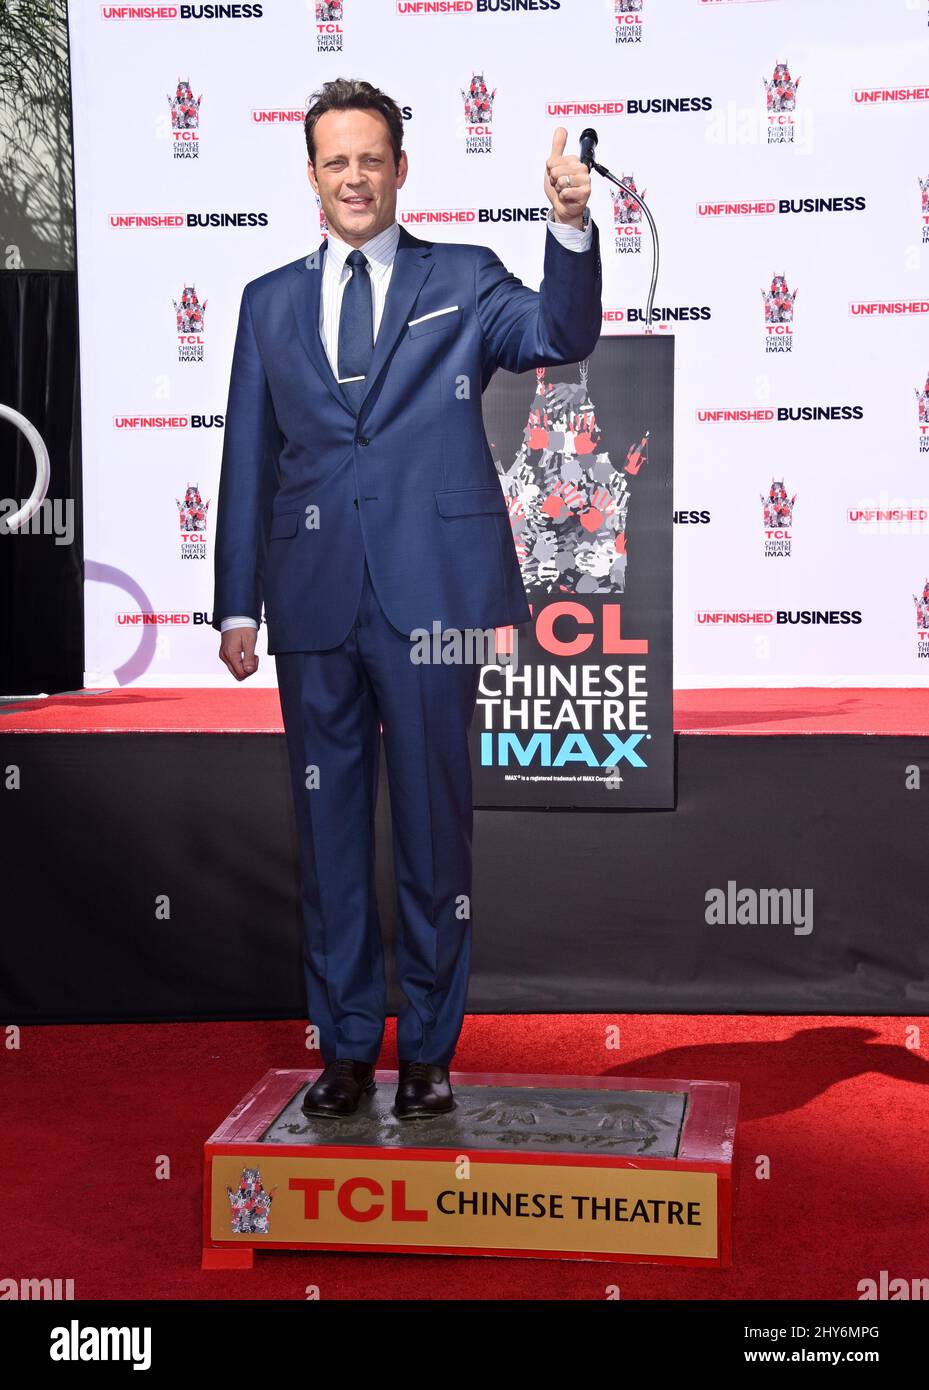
x: 354, y: 174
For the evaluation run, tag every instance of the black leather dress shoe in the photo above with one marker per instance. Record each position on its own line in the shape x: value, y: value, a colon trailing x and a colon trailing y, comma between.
x: 339, y: 1087
x: 422, y: 1090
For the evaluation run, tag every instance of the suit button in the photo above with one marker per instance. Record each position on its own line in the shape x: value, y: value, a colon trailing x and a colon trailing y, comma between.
x: 354, y: 501
x: 362, y: 440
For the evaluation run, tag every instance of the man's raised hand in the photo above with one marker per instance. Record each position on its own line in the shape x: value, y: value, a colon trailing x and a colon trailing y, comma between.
x: 567, y: 182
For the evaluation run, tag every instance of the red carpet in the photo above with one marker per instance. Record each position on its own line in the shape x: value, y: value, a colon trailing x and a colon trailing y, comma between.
x: 244, y: 709
x: 837, y: 1106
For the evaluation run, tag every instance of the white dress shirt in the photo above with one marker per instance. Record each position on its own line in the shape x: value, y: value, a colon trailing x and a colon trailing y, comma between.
x: 380, y: 252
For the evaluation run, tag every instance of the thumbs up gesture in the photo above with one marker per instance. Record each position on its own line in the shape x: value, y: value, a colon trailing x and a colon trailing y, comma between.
x: 567, y: 182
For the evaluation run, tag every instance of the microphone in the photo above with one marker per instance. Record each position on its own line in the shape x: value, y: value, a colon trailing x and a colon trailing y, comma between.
x: 588, y: 153
x: 588, y: 148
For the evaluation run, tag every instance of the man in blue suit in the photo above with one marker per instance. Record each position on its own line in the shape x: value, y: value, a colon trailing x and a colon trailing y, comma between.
x: 359, y: 503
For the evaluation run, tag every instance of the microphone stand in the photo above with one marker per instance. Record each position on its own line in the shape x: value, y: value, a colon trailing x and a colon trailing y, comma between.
x: 605, y: 173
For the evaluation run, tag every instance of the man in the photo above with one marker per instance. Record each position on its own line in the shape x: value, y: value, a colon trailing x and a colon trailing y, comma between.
x: 359, y: 501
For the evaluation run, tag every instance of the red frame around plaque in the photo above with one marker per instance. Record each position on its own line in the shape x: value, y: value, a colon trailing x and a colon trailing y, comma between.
x: 707, y: 1145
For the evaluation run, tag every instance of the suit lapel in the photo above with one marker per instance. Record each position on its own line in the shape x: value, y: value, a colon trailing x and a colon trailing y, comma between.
x: 305, y: 286
x: 412, y: 265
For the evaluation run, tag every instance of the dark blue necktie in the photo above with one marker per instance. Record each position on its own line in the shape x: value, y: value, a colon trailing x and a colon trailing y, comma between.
x: 356, y: 330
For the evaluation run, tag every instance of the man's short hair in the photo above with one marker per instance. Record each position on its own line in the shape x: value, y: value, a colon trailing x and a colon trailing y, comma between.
x: 345, y: 94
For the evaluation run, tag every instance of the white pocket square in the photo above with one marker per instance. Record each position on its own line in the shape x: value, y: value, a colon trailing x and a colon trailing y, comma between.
x: 452, y: 309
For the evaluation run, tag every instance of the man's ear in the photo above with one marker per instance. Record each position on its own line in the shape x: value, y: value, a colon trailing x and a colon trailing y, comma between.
x: 403, y: 169
x: 311, y: 175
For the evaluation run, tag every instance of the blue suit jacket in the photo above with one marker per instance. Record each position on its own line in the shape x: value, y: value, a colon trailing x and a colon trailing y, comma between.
x: 410, y: 480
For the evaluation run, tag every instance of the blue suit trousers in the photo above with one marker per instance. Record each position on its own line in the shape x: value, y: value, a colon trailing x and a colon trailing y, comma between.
x: 337, y: 704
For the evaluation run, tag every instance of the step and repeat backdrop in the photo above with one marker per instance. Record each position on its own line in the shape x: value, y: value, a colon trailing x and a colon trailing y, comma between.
x: 783, y: 148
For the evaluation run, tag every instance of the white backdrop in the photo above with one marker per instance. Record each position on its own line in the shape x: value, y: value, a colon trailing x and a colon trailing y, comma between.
x: 857, y: 544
